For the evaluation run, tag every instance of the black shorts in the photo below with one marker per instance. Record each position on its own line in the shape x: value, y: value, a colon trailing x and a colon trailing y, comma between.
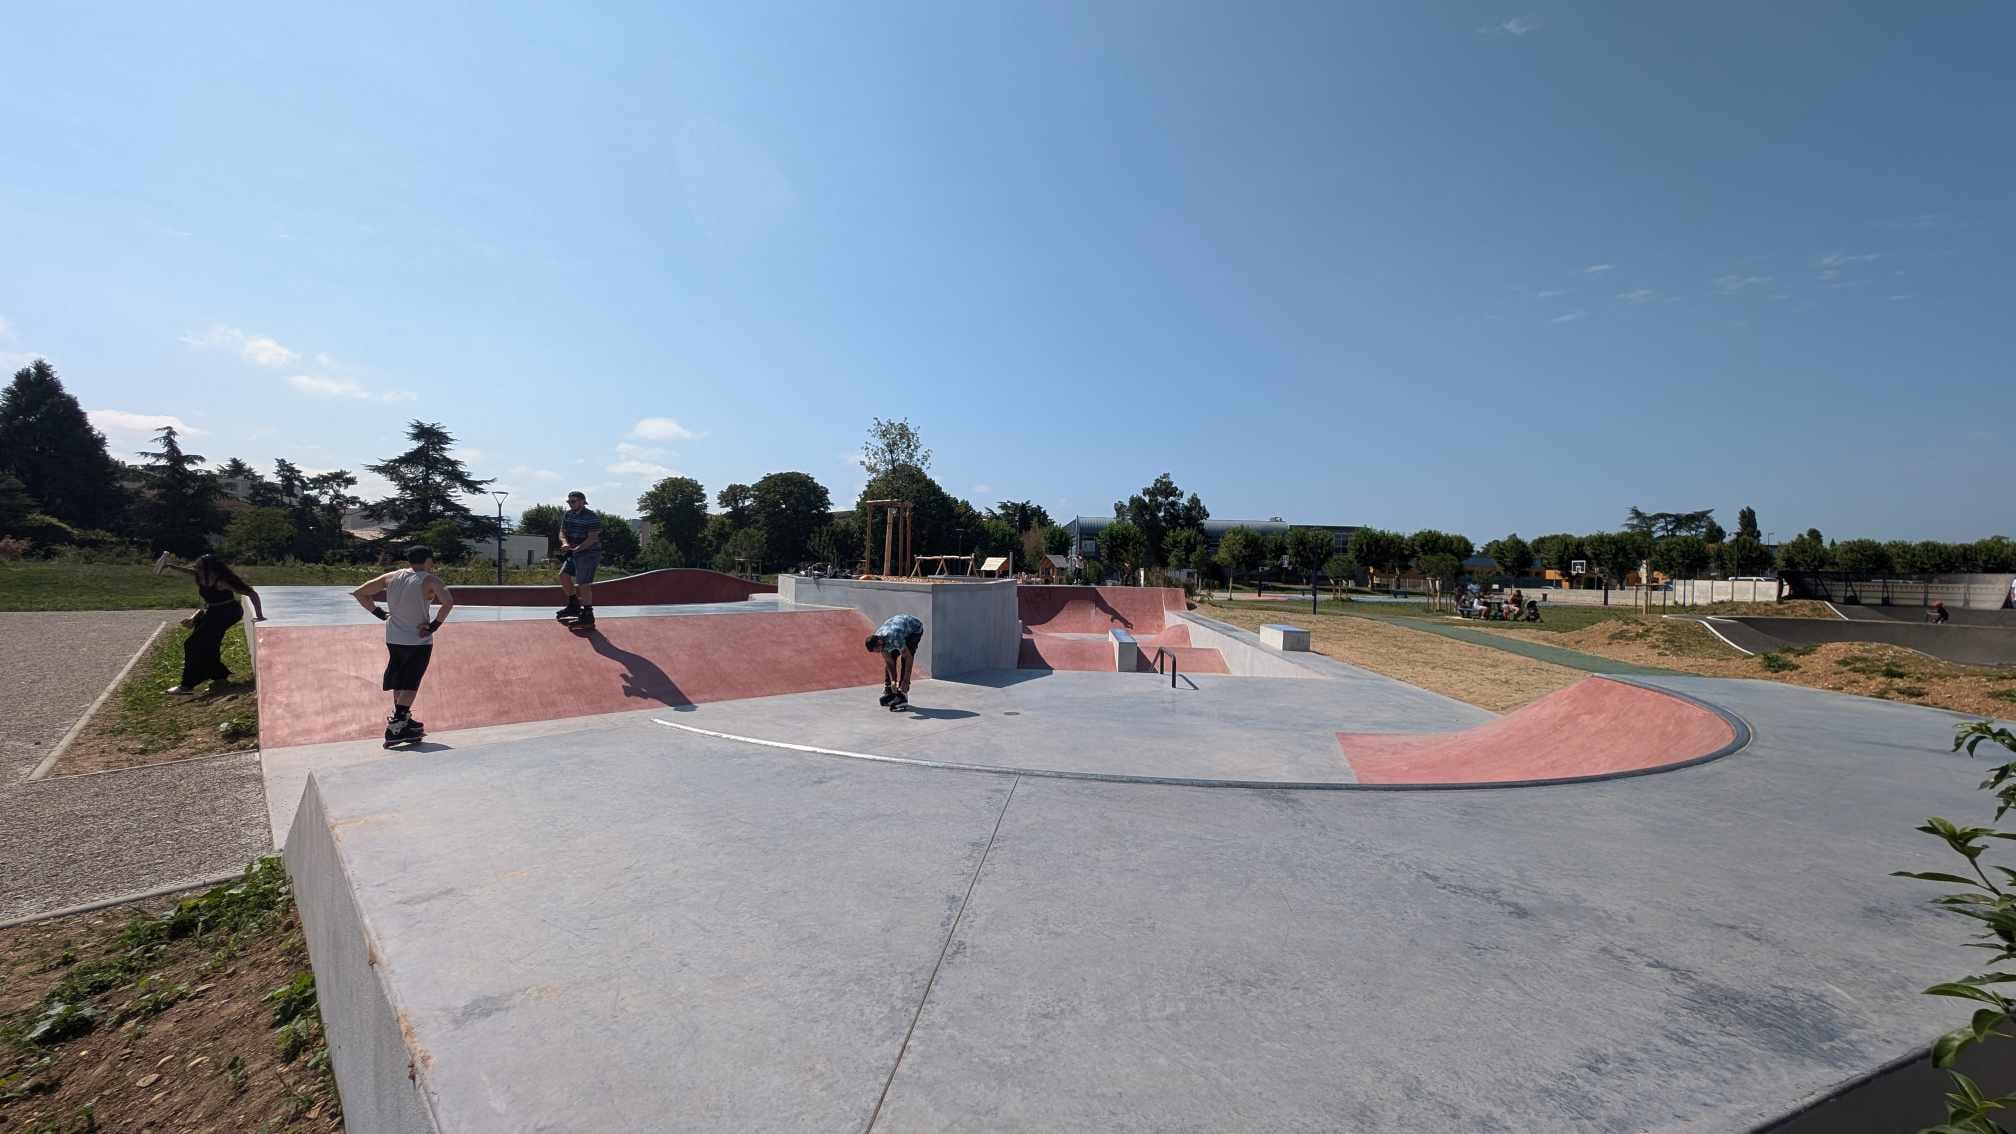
x: 405, y: 666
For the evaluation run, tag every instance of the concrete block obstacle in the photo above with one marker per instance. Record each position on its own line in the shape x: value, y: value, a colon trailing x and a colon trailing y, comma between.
x: 968, y: 625
x: 1126, y: 652
x: 1282, y: 636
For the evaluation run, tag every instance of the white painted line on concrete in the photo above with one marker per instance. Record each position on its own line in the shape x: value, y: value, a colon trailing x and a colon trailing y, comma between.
x: 1837, y: 612
x: 49, y: 762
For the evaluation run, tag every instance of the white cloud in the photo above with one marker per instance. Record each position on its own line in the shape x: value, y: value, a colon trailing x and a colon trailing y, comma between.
x: 662, y: 429
x: 1638, y: 295
x: 1901, y: 298
x: 1550, y: 293
x: 321, y: 387
x: 526, y: 472
x: 1733, y: 283
x: 640, y: 468
x: 852, y: 459
x: 1834, y: 265
x: 260, y: 350
x: 1593, y: 268
x: 631, y: 451
x: 1571, y: 317
x: 468, y: 453
x: 1518, y: 25
x: 6, y: 328
x: 126, y: 422
x: 983, y: 489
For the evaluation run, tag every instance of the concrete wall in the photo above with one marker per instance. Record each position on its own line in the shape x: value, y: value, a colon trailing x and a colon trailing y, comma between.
x: 968, y: 626
x: 1243, y: 653
x: 377, y: 1077
x: 1685, y: 592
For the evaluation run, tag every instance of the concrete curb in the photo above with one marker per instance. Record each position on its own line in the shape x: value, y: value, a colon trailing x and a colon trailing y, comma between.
x: 122, y: 899
x: 48, y: 763
x: 1737, y: 742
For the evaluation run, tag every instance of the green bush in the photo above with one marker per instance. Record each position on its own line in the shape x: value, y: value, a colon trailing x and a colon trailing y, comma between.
x: 1777, y: 663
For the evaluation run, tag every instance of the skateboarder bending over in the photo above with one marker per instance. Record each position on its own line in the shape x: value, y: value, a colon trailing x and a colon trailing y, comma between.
x: 409, y: 634
x: 581, y: 543
x: 897, y: 641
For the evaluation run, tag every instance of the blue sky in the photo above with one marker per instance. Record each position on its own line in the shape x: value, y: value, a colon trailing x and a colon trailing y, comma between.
x: 1476, y: 266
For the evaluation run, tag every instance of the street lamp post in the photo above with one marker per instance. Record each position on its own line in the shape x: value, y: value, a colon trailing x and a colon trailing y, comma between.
x: 500, y: 495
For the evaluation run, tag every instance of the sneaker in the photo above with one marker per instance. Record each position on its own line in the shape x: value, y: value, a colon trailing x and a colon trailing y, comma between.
x: 180, y: 691
x: 572, y: 608
x: 586, y: 619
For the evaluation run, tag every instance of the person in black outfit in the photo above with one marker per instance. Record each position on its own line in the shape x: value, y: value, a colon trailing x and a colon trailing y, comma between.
x: 220, y: 587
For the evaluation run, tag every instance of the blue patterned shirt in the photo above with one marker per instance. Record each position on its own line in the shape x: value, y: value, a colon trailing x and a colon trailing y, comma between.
x: 895, y: 632
x: 576, y: 525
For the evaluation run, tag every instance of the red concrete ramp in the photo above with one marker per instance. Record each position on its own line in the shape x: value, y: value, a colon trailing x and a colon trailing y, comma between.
x: 319, y: 683
x: 671, y: 587
x: 1596, y: 727
x: 1066, y: 627
x: 1095, y: 610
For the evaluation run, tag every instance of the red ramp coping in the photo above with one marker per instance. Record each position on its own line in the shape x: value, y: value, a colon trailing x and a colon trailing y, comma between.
x: 320, y: 683
x: 668, y: 587
x: 1595, y: 727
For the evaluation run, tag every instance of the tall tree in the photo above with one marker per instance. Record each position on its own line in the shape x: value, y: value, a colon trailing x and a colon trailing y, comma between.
x: 891, y: 444
x: 325, y: 498
x: 1862, y: 556
x: 48, y: 443
x: 619, y: 540
x: 789, y: 507
x: 933, y: 511
x: 428, y: 481
x: 180, y: 511
x: 1376, y: 549
x: 838, y: 544
x: 1160, y: 508
x: 1241, y: 551
x: 1614, y: 554
x: 1428, y: 541
x: 1804, y: 553
x: 1680, y: 557
x: 1513, y: 555
x: 736, y: 501
x: 1125, y: 546
x: 1179, y: 548
x: 259, y: 535
x: 1024, y: 514
x: 677, y: 509
x: 1746, y: 523
x: 543, y: 520
x: 1559, y: 551
x: 1306, y: 549
x: 1745, y: 555
x: 15, y: 504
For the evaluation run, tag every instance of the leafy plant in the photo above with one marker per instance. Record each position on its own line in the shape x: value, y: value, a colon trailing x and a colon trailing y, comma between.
x: 1777, y: 663
x: 1992, y: 903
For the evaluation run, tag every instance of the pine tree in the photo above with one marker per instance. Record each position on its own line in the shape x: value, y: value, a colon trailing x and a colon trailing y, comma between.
x: 426, y: 482
x: 180, y: 511
x: 47, y: 442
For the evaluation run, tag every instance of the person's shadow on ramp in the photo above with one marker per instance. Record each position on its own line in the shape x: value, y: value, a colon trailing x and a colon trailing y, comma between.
x: 642, y: 679
x: 939, y: 714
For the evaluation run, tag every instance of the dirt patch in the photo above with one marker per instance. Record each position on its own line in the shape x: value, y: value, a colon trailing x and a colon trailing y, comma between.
x: 195, y: 1014
x: 141, y: 724
x: 1863, y: 668
x: 1490, y: 679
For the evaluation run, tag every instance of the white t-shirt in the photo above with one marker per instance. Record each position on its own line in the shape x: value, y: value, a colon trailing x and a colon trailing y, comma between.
x: 407, y: 608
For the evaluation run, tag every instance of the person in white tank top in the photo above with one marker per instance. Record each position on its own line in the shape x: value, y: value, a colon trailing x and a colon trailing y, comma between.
x: 410, y: 624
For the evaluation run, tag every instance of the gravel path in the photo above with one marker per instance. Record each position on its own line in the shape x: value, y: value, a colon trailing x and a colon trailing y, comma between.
x: 52, y: 666
x: 70, y: 840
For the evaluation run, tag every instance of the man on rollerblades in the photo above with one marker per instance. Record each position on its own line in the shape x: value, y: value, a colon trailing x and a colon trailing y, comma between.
x: 897, y: 641
x: 581, y: 543
x: 409, y: 634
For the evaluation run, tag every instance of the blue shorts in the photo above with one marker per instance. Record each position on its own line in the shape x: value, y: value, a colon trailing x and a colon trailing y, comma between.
x: 581, y: 565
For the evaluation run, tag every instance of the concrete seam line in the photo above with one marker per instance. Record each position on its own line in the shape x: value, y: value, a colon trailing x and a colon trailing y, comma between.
x: 944, y: 949
x: 122, y: 899
x: 63, y: 745
x: 214, y: 758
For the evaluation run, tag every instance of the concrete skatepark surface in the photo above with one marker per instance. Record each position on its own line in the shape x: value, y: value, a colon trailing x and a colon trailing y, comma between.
x: 632, y: 928
x: 1964, y: 644
x: 934, y: 920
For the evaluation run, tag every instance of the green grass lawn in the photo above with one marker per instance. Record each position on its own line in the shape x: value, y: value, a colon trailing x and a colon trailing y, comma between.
x: 147, y: 721
x: 56, y: 585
